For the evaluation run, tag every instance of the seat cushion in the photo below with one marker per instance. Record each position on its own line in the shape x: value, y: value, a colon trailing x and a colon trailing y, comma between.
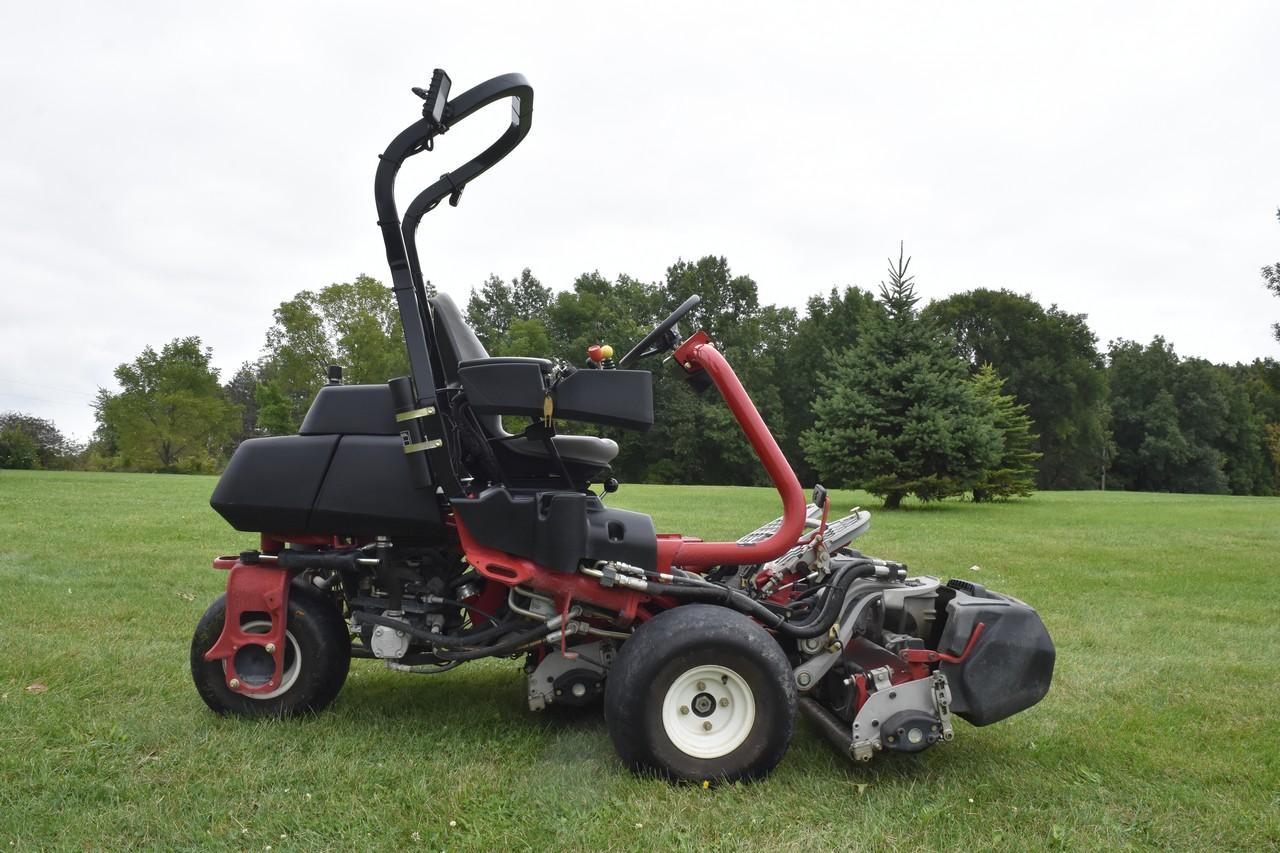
x: 584, y: 449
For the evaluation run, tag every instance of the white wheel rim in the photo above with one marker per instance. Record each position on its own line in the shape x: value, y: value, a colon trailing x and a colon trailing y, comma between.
x: 708, y: 711
x: 292, y: 669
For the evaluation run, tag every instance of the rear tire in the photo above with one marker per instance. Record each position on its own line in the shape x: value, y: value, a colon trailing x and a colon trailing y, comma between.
x: 317, y: 658
x: 701, y: 693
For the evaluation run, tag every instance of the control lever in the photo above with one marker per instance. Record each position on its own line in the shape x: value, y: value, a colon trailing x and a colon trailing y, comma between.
x: 601, y: 356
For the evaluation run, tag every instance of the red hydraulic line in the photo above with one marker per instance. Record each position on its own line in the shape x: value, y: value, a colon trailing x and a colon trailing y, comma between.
x: 699, y: 352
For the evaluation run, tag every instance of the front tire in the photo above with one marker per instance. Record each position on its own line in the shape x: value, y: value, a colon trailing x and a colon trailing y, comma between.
x: 701, y: 693
x: 317, y: 658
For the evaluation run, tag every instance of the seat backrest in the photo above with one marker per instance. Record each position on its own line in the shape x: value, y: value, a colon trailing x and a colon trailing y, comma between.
x: 454, y: 338
x: 456, y: 343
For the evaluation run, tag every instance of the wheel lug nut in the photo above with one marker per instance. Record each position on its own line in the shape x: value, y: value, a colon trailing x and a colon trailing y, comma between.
x: 271, y: 648
x: 234, y: 684
x: 684, y: 709
x: 724, y: 702
x: 706, y: 727
x: 702, y: 685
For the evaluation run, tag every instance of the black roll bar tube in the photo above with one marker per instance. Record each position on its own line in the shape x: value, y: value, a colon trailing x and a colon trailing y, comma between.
x: 451, y: 184
x: 406, y: 273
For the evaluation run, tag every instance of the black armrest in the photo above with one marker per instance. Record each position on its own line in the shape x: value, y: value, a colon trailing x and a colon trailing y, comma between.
x: 621, y: 398
x: 505, y: 386
x: 518, y: 386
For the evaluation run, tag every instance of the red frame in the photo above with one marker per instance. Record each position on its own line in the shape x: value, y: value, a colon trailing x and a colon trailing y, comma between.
x: 253, y: 588
x: 699, y: 354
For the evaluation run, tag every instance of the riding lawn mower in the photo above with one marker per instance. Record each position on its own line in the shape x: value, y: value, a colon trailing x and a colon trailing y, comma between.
x: 404, y: 523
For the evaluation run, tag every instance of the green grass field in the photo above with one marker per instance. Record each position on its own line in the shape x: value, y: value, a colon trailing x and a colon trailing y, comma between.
x: 1162, y: 728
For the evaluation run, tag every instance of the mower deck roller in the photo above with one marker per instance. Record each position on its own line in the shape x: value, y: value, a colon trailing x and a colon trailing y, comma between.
x: 406, y: 523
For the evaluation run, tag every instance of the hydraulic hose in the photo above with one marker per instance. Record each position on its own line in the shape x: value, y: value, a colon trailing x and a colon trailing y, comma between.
x: 819, y: 622
x: 720, y: 595
x: 507, y: 646
x: 463, y: 640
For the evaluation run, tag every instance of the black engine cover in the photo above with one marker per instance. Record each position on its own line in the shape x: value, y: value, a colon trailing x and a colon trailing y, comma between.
x: 351, y: 410
x: 271, y: 483
x: 345, y: 475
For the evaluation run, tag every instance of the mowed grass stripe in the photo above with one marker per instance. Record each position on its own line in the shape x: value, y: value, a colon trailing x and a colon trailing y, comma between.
x: 1160, y: 730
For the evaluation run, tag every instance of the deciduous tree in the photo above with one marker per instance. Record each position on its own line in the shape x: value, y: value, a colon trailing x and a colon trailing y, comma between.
x: 697, y: 439
x: 17, y: 449
x: 493, y: 308
x: 353, y: 324
x: 1184, y: 425
x: 30, y: 434
x: 171, y: 413
x: 1271, y: 278
x: 1050, y: 361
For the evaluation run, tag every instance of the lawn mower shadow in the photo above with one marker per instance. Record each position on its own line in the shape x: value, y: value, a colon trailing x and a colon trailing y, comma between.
x: 810, y: 752
x: 494, y: 698
x: 488, y: 695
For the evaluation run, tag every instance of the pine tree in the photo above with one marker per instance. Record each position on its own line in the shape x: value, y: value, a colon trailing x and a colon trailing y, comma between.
x: 1015, y: 472
x: 899, y: 415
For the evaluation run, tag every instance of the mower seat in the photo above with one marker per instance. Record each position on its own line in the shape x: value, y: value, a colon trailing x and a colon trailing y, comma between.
x: 584, y: 449
x: 457, y: 343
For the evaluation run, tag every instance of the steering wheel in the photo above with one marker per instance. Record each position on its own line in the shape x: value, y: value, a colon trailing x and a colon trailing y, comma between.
x: 662, y: 338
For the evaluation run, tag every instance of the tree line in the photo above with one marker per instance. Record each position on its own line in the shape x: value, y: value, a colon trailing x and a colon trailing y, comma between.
x: 986, y: 393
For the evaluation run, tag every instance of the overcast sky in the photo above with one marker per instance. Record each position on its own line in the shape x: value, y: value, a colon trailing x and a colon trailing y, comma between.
x: 178, y: 169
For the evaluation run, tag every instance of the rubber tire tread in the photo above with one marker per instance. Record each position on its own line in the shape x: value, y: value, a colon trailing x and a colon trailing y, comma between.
x: 670, y: 644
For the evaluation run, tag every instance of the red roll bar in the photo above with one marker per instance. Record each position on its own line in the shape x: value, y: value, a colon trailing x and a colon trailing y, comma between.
x: 698, y: 353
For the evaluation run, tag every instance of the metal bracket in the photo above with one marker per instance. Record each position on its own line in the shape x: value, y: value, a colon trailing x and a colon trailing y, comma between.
x: 253, y: 588
x: 924, y: 694
x: 860, y: 595
x: 591, y: 657
x: 426, y: 411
